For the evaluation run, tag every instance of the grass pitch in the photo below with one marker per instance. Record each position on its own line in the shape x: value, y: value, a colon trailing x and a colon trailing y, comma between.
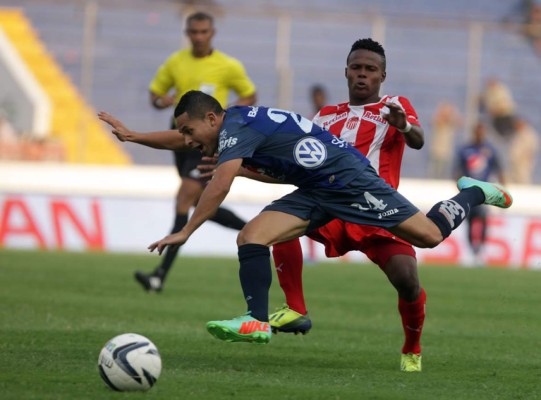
x: 481, y: 338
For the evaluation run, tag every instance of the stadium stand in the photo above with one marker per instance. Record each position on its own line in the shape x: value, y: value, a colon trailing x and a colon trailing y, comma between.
x: 427, y: 45
x: 71, y: 116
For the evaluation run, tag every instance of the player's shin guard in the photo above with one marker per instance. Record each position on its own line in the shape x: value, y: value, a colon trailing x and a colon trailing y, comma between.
x: 288, y: 262
x: 413, y: 317
x: 255, y: 278
x: 449, y: 214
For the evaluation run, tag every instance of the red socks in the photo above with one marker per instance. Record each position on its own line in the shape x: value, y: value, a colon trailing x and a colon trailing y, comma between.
x: 288, y: 262
x: 413, y: 317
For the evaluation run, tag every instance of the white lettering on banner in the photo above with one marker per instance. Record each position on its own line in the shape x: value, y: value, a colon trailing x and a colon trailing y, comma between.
x: 106, y: 223
x: 513, y: 242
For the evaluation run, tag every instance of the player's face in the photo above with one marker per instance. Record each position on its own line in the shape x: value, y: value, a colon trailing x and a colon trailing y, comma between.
x: 200, y: 34
x: 365, y: 74
x: 200, y: 134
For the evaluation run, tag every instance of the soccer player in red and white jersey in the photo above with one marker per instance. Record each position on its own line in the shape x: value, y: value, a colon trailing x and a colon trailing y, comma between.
x: 379, y: 127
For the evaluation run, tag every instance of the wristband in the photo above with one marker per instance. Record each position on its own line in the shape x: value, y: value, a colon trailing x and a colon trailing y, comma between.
x: 406, y: 129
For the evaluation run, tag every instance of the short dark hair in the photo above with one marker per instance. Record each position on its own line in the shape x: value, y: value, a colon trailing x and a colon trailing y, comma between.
x: 199, y: 16
x: 370, y: 45
x: 317, y: 88
x: 197, y: 104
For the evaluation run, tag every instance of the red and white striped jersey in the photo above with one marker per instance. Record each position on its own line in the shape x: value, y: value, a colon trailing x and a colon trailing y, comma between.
x: 364, y: 128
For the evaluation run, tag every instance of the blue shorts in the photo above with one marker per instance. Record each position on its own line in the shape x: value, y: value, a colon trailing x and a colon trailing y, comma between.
x: 367, y: 200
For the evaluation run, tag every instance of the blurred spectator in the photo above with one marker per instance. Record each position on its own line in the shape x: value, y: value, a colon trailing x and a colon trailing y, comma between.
x: 532, y: 24
x: 523, y: 152
x: 42, y: 150
x: 498, y: 102
x: 7, y: 132
x: 318, y: 98
x: 478, y: 159
x: 527, y: 15
x: 9, y: 147
x: 20, y: 146
x: 445, y: 122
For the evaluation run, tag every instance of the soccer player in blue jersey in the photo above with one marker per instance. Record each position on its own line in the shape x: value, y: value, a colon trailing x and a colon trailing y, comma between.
x: 478, y: 159
x: 334, y: 180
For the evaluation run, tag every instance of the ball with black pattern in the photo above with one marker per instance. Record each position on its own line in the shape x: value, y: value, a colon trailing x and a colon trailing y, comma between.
x: 129, y: 362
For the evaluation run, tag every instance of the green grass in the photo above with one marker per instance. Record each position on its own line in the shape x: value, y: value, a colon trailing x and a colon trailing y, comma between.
x: 481, y: 338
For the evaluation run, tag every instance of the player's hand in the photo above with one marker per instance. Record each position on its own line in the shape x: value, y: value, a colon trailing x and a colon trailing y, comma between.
x: 395, y: 116
x: 169, y: 101
x: 119, y: 129
x: 173, y: 240
x: 207, y: 169
x: 210, y: 160
x: 163, y: 101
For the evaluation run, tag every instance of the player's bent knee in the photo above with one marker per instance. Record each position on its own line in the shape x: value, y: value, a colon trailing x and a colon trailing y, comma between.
x: 402, y: 273
x: 241, y: 238
x: 246, y: 236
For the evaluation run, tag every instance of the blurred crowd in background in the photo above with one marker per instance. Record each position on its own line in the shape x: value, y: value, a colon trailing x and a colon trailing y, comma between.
x: 459, y: 63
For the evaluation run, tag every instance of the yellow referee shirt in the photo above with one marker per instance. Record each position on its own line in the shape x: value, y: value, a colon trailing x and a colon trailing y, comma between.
x: 215, y: 75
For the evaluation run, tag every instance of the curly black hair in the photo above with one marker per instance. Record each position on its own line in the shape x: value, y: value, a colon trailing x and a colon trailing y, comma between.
x: 370, y: 45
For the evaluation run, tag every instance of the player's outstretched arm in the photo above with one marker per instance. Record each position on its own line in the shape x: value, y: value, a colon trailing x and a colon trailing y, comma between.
x: 164, y: 140
x: 213, y: 195
x: 256, y: 176
x: 207, y: 170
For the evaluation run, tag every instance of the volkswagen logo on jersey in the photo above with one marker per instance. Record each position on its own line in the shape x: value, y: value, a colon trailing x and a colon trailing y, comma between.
x: 310, y: 152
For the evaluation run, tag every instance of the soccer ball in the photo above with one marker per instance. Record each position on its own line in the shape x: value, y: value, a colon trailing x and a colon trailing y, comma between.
x: 129, y: 362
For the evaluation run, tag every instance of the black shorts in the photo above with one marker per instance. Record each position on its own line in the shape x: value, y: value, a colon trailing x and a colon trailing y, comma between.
x: 187, y: 161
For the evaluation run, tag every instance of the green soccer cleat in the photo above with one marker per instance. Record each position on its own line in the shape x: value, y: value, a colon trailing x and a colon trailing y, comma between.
x: 495, y: 195
x: 290, y: 321
x: 410, y: 362
x: 241, y: 329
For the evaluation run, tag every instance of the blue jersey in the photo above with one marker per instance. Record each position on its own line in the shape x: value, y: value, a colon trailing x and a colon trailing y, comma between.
x: 288, y: 147
x: 479, y: 161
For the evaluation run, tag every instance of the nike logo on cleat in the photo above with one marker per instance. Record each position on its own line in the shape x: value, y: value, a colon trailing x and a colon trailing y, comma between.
x: 253, y: 326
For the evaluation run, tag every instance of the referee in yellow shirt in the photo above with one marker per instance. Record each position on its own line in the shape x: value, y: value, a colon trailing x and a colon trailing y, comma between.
x: 204, y: 68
